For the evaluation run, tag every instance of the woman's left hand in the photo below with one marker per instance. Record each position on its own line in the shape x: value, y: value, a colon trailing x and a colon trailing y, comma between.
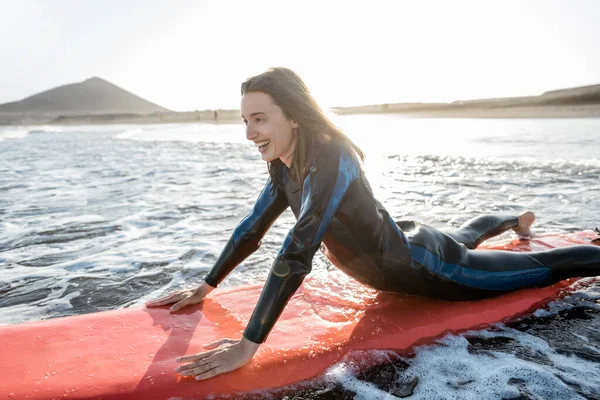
x: 227, y: 355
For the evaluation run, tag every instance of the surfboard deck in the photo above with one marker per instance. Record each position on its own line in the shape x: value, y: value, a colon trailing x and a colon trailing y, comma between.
x: 130, y: 353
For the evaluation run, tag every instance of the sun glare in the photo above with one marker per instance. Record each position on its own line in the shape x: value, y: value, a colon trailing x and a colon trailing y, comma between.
x: 351, y: 55
x: 195, y: 55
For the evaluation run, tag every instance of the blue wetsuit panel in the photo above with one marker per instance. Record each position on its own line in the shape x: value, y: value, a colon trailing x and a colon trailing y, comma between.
x: 477, y: 278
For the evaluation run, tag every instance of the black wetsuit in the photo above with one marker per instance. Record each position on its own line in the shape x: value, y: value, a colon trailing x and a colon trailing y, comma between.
x: 336, y: 210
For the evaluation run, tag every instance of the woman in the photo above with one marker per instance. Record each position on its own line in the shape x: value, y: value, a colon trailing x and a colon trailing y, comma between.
x: 315, y: 169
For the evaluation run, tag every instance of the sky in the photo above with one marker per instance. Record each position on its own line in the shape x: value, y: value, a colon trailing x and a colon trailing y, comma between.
x: 193, y: 55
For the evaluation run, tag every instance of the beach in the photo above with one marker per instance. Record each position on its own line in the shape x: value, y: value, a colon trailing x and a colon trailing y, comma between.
x: 233, y: 116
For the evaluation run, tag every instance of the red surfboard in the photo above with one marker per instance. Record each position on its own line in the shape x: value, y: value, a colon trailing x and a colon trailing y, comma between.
x: 130, y: 353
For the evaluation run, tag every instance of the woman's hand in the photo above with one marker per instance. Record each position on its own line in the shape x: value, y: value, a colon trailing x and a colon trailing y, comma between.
x: 228, y: 354
x: 183, y: 298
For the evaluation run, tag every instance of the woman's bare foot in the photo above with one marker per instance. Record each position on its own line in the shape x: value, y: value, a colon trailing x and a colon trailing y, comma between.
x: 525, y: 221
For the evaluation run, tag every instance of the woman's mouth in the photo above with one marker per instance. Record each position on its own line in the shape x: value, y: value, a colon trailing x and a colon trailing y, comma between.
x: 262, y: 145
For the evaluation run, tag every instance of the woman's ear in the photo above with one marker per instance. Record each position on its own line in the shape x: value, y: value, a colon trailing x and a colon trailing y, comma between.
x: 294, y: 124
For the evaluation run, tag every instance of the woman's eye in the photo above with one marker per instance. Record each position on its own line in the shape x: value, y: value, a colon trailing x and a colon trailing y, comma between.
x: 259, y: 119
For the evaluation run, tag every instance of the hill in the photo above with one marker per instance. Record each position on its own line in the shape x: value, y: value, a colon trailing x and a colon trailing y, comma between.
x: 93, y: 96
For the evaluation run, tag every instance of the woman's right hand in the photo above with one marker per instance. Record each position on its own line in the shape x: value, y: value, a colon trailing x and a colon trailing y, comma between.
x: 182, y: 298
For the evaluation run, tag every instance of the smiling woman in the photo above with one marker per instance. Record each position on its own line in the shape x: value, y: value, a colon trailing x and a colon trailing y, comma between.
x: 316, y: 170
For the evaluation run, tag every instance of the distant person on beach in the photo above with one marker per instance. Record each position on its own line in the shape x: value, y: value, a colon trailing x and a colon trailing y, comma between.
x: 316, y: 170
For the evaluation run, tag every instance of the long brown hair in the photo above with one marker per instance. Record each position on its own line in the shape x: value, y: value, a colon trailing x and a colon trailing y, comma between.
x: 289, y: 92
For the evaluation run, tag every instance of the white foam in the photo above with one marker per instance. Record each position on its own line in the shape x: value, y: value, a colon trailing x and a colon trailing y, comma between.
x: 46, y: 129
x: 13, y: 133
x: 129, y: 133
x: 83, y: 219
x: 344, y: 373
x: 584, y: 296
x: 364, y: 390
x: 594, y: 349
x: 585, y: 339
x: 449, y: 371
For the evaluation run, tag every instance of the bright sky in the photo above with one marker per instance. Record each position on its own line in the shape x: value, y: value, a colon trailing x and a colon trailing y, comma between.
x: 187, y: 55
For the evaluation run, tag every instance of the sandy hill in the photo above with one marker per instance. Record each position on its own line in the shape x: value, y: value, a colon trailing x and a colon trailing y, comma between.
x: 92, y: 96
x: 583, y: 94
x: 572, y: 96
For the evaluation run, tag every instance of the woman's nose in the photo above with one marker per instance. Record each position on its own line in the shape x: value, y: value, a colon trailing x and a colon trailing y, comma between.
x: 250, y: 133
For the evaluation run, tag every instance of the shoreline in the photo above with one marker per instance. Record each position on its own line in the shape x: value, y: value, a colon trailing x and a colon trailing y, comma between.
x: 578, y: 102
x: 425, y: 110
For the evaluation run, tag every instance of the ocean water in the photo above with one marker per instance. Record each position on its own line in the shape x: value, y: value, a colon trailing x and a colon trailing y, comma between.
x: 96, y: 218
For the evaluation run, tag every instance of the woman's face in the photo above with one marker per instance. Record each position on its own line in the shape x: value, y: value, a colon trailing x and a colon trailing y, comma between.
x: 268, y: 128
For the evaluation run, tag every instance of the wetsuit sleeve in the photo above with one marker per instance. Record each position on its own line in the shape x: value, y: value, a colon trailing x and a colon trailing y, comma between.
x: 330, y: 175
x: 246, y: 237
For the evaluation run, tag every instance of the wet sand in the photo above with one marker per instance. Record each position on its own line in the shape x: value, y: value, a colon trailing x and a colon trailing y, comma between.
x: 565, y: 111
x: 233, y: 116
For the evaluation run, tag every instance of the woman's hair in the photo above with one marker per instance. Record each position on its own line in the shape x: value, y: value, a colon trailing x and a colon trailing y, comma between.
x: 291, y: 94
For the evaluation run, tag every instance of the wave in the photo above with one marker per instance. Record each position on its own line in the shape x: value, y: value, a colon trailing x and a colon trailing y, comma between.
x: 20, y: 132
x: 46, y: 129
x: 510, y: 162
x: 194, y: 133
x: 129, y: 133
x: 13, y: 134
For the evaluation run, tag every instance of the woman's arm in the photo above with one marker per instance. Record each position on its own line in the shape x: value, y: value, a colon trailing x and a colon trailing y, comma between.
x: 246, y: 237
x: 245, y: 240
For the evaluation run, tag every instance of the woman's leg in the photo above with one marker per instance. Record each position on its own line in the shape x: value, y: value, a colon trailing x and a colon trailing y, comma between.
x: 506, y: 270
x: 463, y: 274
x: 473, y: 232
